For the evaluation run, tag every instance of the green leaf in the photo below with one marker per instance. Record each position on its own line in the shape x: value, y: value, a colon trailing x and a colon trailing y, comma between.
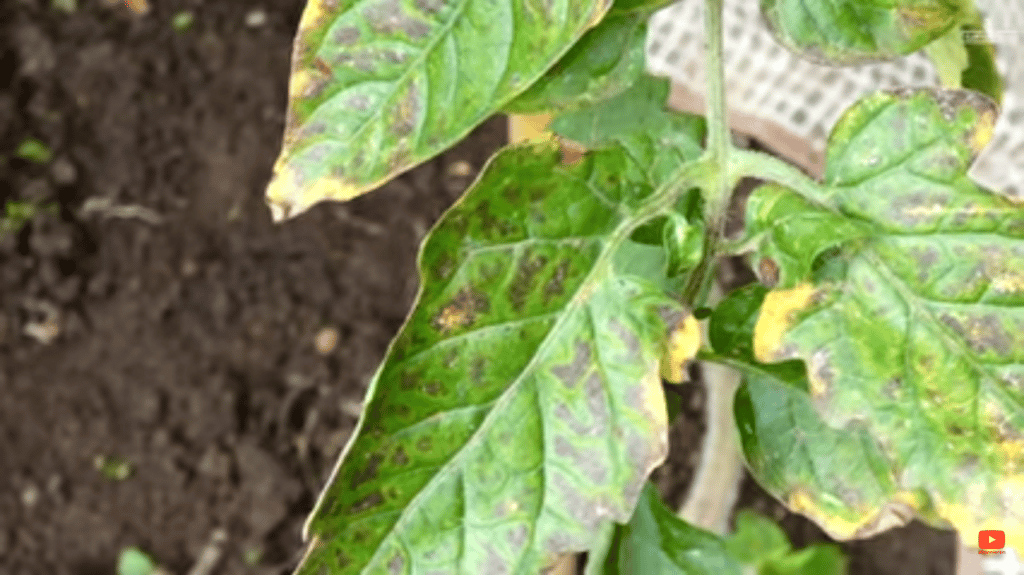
x: 133, y: 561
x: 981, y: 73
x: 756, y: 539
x: 791, y: 232
x: 949, y: 55
x: 520, y: 407
x: 964, y: 58
x: 656, y: 541
x: 34, y: 150
x: 793, y: 454
x: 645, y: 7
x: 813, y: 560
x: 859, y: 31
x: 919, y: 343
x: 605, y: 62
x: 379, y: 86
x: 638, y: 121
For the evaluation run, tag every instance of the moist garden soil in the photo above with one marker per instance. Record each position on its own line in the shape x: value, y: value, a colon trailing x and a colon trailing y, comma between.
x: 177, y: 373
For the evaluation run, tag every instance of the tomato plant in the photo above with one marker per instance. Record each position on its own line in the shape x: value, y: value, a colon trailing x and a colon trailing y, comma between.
x: 520, y: 409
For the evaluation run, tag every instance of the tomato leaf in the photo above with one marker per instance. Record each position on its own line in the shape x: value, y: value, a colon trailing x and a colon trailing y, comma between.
x: 379, y: 86
x: 638, y: 121
x: 607, y: 60
x: 918, y: 342
x: 859, y: 31
x: 520, y: 407
x: 657, y: 541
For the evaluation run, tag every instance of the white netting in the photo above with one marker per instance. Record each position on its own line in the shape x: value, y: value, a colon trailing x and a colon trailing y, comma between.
x: 766, y: 81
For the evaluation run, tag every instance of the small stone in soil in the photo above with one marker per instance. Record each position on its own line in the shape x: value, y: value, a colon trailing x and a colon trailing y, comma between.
x: 460, y: 169
x: 326, y: 340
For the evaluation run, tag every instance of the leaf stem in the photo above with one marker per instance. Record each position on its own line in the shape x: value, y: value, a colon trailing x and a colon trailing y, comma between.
x: 748, y: 163
x: 719, y: 189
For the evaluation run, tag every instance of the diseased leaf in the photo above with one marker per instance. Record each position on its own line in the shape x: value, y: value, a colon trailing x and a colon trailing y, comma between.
x: 607, y: 60
x: 683, y: 343
x: 379, y: 86
x: 919, y: 344
x: 851, y: 32
x: 638, y: 121
x: 520, y: 407
x: 657, y: 541
x: 792, y: 232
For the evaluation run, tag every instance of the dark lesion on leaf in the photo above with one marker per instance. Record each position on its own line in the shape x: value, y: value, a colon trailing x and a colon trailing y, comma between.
x: 555, y: 287
x: 369, y: 472
x: 390, y: 17
x: 461, y: 311
x: 407, y: 110
x: 400, y: 457
x: 396, y: 565
x: 983, y: 333
x: 347, y: 35
x: 431, y: 7
x: 522, y: 282
x: 571, y: 373
x: 424, y: 444
x: 369, y: 502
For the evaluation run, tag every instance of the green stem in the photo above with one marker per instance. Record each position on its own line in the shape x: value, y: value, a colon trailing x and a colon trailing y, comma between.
x: 719, y: 190
x: 747, y: 163
x: 718, y: 123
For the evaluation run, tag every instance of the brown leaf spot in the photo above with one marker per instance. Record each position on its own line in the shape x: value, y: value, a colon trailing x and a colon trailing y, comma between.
x: 493, y: 564
x: 403, y: 120
x: 461, y: 312
x: 590, y: 464
x: 433, y: 388
x: 478, y: 370
x: 517, y: 537
x: 400, y: 458
x: 556, y: 285
x: 522, y: 283
x: 369, y: 502
x: 389, y: 17
x: 424, y: 444
x: 358, y: 102
x: 396, y: 565
x: 571, y: 373
x: 430, y: 6
x: 768, y: 272
x: 984, y: 333
x: 369, y: 472
x: 347, y: 35
x: 629, y: 339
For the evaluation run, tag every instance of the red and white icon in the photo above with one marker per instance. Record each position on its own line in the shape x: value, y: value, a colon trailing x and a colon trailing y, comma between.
x: 991, y: 539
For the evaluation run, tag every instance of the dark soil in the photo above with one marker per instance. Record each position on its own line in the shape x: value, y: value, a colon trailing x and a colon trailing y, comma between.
x: 151, y: 313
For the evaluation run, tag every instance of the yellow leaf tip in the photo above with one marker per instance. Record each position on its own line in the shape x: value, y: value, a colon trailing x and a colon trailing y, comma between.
x: 777, y: 317
x: 683, y: 344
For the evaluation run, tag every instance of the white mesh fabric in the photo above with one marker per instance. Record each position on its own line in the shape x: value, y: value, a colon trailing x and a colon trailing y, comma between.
x: 767, y: 81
